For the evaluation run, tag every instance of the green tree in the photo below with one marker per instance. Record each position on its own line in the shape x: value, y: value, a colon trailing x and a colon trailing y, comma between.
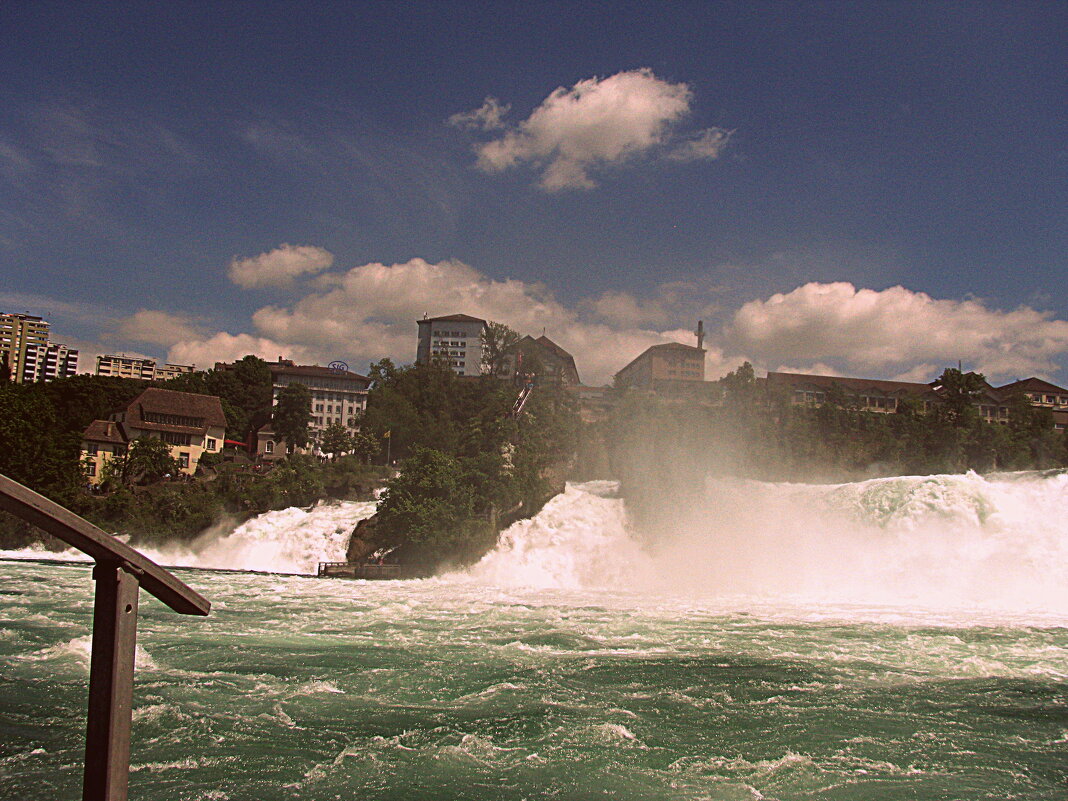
x: 429, y: 503
x: 739, y: 386
x: 148, y: 460
x: 292, y: 415
x: 335, y: 440
x: 365, y: 446
x: 497, y: 340
x: 959, y: 393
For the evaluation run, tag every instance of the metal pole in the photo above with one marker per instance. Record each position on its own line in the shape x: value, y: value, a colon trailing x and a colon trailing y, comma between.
x: 107, y: 740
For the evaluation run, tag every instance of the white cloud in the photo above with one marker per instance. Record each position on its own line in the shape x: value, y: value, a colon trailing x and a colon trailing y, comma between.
x: 707, y: 144
x: 597, y: 121
x: 673, y: 301
x: 156, y: 327
x: 896, y: 331
x: 488, y: 117
x: 224, y: 347
x: 371, y: 311
x: 280, y: 266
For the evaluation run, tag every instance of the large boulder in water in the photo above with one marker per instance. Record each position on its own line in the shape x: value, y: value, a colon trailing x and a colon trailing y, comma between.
x: 364, y: 540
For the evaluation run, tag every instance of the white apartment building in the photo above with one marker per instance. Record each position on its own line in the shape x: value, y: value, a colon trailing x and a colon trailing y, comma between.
x: 142, y: 368
x: 337, y: 396
x: 455, y: 340
x: 48, y: 362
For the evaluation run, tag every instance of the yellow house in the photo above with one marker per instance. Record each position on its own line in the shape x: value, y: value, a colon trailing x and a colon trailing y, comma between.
x: 191, y: 424
x: 102, y: 441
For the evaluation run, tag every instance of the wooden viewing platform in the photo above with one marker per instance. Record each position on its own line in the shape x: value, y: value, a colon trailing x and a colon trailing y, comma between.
x: 371, y: 571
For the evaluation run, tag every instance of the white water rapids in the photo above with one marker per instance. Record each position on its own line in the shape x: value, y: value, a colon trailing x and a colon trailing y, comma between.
x: 951, y: 541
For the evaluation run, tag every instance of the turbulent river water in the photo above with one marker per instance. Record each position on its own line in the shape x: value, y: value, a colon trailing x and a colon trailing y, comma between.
x: 899, y: 638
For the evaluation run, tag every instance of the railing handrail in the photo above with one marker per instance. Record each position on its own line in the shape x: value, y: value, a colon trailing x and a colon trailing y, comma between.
x: 87, y: 538
x: 119, y: 573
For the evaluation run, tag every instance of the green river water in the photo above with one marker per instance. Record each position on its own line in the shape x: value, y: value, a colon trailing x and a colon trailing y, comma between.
x: 473, y: 687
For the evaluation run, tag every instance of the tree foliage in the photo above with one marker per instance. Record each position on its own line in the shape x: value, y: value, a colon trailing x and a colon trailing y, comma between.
x: 335, y: 440
x: 149, y: 459
x: 292, y: 415
x: 497, y: 340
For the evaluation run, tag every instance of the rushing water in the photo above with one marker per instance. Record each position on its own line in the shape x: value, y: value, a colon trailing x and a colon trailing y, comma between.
x: 892, y: 639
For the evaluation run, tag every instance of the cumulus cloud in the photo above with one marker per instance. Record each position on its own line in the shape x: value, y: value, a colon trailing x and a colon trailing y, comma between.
x: 225, y: 347
x: 895, y: 331
x: 598, y: 121
x: 278, y: 267
x: 372, y: 309
x: 672, y: 301
x: 488, y: 117
x: 156, y: 327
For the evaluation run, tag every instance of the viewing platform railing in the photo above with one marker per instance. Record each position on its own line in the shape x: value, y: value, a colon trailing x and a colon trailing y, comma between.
x: 119, y: 572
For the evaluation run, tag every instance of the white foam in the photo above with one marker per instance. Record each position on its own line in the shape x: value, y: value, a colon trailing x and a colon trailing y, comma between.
x: 963, y: 543
x: 291, y: 540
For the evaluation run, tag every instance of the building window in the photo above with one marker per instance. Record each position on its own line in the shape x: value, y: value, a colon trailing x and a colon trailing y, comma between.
x: 210, y: 444
x: 183, y: 460
x: 92, y: 449
x: 269, y: 447
x: 171, y: 438
x: 92, y: 469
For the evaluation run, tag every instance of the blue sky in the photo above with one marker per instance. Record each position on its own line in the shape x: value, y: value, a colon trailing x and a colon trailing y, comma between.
x: 866, y: 188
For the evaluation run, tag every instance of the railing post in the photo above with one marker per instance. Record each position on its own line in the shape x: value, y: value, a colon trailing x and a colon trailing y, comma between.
x: 107, y: 741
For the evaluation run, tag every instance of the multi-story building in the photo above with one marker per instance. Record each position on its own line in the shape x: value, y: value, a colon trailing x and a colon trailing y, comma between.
x: 143, y: 368
x: 1044, y: 394
x: 48, y: 362
x: 20, y: 334
x: 337, y: 396
x: 872, y: 395
x: 190, y: 424
x: 455, y: 340
x: 867, y: 394
x: 662, y: 367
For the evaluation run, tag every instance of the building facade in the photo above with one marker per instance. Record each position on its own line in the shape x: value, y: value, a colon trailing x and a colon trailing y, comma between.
x: 48, y: 362
x: 142, y: 368
x: 102, y: 441
x: 994, y: 404
x: 867, y: 394
x: 664, y: 367
x: 337, y: 396
x: 27, y: 353
x: 541, y: 357
x: 190, y: 424
x: 455, y: 340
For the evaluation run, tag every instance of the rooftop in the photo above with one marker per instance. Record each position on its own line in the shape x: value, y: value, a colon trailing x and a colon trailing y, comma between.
x: 453, y: 318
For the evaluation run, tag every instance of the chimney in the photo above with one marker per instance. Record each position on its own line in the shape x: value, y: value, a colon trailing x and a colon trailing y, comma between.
x: 700, y: 333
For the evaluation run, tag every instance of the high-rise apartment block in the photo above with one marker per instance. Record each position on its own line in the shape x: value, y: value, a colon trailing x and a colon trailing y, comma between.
x: 27, y: 354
